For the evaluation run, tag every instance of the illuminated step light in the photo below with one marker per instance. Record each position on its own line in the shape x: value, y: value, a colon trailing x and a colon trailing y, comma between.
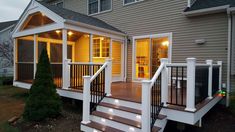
x: 111, y: 110
x: 95, y: 130
x: 116, y: 101
x: 103, y: 120
x: 131, y: 129
x: 138, y: 117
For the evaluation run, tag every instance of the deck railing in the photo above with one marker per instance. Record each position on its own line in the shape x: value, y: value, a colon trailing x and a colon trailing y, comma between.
x: 181, y: 84
x: 95, y: 88
x: 25, y: 72
x: 56, y: 69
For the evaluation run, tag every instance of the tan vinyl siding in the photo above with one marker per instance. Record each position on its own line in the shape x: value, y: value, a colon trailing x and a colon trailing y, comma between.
x: 163, y: 16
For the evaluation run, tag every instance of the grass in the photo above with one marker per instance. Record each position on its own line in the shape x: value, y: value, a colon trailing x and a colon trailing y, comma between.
x: 12, y: 101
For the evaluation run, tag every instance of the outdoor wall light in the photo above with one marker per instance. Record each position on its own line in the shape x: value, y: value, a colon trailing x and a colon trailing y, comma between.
x: 200, y: 41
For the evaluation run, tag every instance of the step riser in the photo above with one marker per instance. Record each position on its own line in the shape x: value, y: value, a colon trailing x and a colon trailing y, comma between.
x: 120, y: 113
x: 88, y: 129
x: 114, y: 124
x: 161, y: 124
x: 123, y: 103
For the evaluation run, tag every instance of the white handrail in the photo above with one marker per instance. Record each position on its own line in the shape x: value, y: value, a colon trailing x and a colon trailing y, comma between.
x: 99, y: 71
x: 176, y: 64
x: 84, y: 63
x: 155, y: 77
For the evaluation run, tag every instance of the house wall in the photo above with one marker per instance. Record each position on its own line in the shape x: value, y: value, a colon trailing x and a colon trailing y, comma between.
x: 164, y: 16
x: 5, y: 69
x: 82, y: 49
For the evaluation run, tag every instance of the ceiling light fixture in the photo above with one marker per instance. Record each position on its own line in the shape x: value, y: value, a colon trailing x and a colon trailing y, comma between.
x: 70, y: 33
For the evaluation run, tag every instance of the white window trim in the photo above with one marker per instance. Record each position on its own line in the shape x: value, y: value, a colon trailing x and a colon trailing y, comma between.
x: 136, y: 1
x: 99, y: 12
x: 169, y: 35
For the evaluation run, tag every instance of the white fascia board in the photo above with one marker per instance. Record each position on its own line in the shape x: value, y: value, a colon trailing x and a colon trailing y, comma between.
x: 37, y: 7
x: 94, y: 28
x: 231, y: 9
x: 211, y: 10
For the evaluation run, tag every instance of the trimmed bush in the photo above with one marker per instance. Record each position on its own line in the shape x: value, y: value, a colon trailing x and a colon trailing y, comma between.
x: 43, y: 101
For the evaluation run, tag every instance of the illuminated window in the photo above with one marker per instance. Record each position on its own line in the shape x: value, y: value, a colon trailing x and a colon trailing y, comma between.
x: 101, y: 47
x: 97, y: 6
x: 36, y: 20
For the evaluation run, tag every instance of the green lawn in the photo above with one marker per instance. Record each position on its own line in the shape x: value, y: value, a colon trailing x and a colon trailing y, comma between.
x: 12, y: 101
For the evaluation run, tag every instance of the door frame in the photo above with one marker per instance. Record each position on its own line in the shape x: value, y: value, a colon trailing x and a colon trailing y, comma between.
x: 169, y: 35
x: 121, y: 77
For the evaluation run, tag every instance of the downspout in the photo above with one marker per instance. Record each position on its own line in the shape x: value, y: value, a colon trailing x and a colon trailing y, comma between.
x: 229, y: 57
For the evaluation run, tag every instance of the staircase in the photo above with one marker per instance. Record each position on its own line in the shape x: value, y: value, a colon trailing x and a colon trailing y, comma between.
x: 115, y: 115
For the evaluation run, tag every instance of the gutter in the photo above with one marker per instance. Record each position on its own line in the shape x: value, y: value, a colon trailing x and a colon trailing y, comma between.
x: 217, y: 9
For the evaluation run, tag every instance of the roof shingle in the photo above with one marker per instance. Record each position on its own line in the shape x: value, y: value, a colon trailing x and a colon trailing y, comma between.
x: 4, y: 25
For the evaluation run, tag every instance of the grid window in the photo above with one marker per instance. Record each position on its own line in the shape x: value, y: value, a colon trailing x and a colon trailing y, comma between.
x: 101, y: 47
x: 97, y: 6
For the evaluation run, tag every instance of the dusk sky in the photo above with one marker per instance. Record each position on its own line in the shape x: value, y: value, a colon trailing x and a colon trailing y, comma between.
x: 12, y: 9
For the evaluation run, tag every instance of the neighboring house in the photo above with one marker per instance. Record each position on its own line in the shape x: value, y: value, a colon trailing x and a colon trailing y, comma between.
x: 111, y: 53
x: 6, y: 48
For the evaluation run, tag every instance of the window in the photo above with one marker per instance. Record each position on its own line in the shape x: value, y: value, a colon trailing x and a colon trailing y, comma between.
x: 101, y: 47
x: 97, y: 6
x: 126, y: 2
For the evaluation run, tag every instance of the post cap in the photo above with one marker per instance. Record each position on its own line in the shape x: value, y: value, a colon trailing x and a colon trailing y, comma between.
x: 209, y: 61
x: 191, y: 59
x: 146, y: 81
x: 108, y: 60
x: 219, y: 62
x: 86, y: 77
x: 164, y: 60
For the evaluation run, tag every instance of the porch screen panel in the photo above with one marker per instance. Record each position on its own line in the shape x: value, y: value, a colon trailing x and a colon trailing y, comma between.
x: 142, y: 58
x: 69, y: 52
x: 116, y: 57
x: 41, y: 46
x: 56, y: 53
x: 25, y: 58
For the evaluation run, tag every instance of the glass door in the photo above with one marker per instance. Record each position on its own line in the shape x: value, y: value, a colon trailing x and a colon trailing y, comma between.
x: 117, y: 61
x: 159, y: 50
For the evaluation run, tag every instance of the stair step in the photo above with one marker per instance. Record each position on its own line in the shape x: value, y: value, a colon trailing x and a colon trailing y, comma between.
x: 161, y: 117
x: 117, y: 119
x: 122, y: 108
x: 101, y: 127
x: 156, y: 129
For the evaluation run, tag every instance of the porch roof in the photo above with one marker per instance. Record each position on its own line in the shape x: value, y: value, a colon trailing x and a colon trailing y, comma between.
x: 78, y: 17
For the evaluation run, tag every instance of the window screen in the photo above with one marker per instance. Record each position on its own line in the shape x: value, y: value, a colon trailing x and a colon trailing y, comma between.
x: 25, y: 51
x: 105, y: 5
x: 56, y: 53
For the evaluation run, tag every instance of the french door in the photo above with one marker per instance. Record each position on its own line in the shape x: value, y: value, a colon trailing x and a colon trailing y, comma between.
x: 148, y: 50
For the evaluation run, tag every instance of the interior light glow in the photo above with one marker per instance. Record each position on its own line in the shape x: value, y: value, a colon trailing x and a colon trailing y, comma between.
x: 58, y: 31
x: 165, y: 43
x: 111, y: 110
x: 70, y: 33
x: 101, y: 38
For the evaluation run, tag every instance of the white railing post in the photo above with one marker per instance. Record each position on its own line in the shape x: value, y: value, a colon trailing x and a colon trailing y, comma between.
x: 210, y: 72
x: 164, y: 83
x: 146, y: 102
x: 190, y: 94
x: 64, y: 58
x: 86, y: 100
x: 220, y: 63
x: 66, y: 83
x: 108, y: 77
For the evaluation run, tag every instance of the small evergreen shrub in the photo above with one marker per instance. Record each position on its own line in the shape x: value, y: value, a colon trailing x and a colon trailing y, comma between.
x: 43, y: 101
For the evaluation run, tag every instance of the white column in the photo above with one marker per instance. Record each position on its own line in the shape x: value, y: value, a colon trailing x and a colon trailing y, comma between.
x: 86, y: 100
x: 164, y: 83
x: 64, y: 57
x: 108, y: 77
x: 35, y: 54
x: 145, y: 107
x: 190, y: 94
x: 91, y: 48
x: 15, y: 58
x: 220, y: 63
x: 189, y: 3
x: 67, y: 73
x: 210, y: 72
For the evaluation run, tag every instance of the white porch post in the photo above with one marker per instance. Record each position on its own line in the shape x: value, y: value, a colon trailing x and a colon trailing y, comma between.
x: 190, y: 94
x: 86, y: 100
x: 35, y: 54
x: 91, y: 48
x: 210, y: 72
x: 145, y: 107
x: 220, y: 63
x: 64, y: 58
x: 108, y: 77
x: 164, y: 83
x: 67, y: 73
x: 15, y: 58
